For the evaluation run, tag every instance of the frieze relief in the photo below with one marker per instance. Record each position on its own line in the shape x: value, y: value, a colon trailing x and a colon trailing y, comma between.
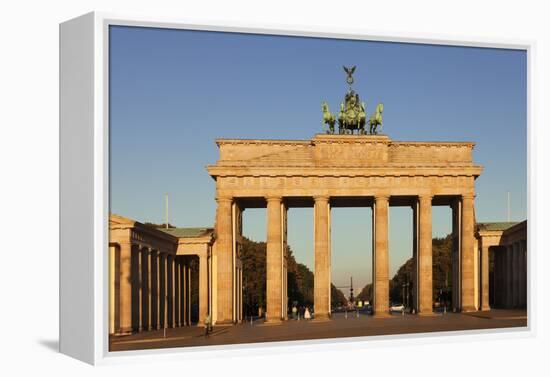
x: 270, y: 183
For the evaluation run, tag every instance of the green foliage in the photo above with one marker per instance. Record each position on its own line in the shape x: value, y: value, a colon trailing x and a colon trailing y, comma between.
x: 300, y: 279
x: 365, y: 294
x: 404, y: 274
x: 442, y: 269
x: 253, y: 258
x: 337, y: 298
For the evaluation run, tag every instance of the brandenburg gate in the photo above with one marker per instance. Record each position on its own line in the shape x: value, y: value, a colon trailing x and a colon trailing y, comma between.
x: 342, y: 170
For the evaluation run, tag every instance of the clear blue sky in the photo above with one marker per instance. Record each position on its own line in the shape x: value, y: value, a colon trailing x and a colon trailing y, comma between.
x: 173, y: 92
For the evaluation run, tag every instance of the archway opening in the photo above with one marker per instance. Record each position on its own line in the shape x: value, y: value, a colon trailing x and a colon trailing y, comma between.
x: 253, y: 259
x: 401, y: 258
x: 444, y: 256
x: 300, y: 260
x: 351, y: 259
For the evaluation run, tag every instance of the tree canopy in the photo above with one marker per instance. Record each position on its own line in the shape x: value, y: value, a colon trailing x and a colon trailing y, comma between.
x: 441, y: 275
x: 300, y: 279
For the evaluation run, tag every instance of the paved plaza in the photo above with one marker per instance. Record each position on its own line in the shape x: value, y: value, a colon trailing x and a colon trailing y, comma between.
x: 338, y: 327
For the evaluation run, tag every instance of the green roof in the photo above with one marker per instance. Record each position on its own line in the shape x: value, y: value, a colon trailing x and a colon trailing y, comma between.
x: 496, y: 226
x: 187, y: 232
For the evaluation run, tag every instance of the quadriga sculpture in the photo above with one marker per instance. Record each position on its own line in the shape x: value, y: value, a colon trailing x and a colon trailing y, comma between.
x: 328, y: 118
x: 376, y: 119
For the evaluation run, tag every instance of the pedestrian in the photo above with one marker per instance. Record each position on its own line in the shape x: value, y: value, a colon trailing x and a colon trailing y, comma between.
x: 207, y: 325
x: 307, y: 314
x: 294, y: 311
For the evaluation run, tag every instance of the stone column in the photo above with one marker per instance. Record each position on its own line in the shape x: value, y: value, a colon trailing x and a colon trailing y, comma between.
x: 162, y: 291
x: 153, y: 263
x: 425, y: 279
x: 149, y: 292
x: 381, y: 259
x: 203, y: 288
x: 189, y: 295
x: 225, y: 267
x: 169, y: 291
x: 156, y: 290
x: 185, y: 296
x: 515, y: 275
x: 467, y: 254
x: 321, y: 284
x: 274, y: 259
x: 414, y: 277
x: 140, y: 288
x: 485, y: 277
x: 509, y: 274
x: 497, y: 272
x: 144, y: 252
x: 177, y: 302
x: 524, y: 269
x: 125, y: 288
x: 182, y: 292
x: 173, y: 293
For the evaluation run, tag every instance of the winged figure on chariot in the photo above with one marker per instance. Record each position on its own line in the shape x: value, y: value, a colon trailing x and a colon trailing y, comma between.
x: 352, y: 116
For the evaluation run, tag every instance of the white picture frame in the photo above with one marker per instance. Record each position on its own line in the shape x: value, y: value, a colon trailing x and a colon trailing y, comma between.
x: 84, y: 190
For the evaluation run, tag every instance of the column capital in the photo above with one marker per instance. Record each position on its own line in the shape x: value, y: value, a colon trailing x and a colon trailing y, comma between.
x: 423, y: 197
x: 381, y: 198
x: 468, y: 196
x: 224, y: 199
x: 274, y: 198
x: 320, y: 198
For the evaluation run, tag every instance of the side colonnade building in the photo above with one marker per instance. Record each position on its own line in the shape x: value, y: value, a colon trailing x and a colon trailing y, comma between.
x: 150, y: 277
x: 503, y: 256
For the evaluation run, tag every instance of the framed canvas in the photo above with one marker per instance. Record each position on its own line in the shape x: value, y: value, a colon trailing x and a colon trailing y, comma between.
x: 235, y: 189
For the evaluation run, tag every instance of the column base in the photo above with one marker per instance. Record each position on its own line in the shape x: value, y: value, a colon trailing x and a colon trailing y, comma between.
x: 225, y: 322
x: 427, y: 314
x: 273, y: 322
x: 485, y: 308
x: 321, y: 317
x: 123, y: 332
x: 381, y: 315
x: 468, y: 309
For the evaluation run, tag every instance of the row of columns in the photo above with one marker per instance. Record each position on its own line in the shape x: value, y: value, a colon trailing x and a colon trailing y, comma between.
x: 149, y: 289
x: 510, y: 275
x: 276, y: 213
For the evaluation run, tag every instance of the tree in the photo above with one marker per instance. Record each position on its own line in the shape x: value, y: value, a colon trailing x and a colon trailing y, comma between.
x: 441, y: 274
x: 365, y: 294
x: 300, y: 279
x: 337, y: 298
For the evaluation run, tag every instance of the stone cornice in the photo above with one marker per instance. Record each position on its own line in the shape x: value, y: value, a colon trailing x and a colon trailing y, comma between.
x: 220, y: 142
x: 343, y: 139
x: 469, y: 144
x: 342, y: 171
